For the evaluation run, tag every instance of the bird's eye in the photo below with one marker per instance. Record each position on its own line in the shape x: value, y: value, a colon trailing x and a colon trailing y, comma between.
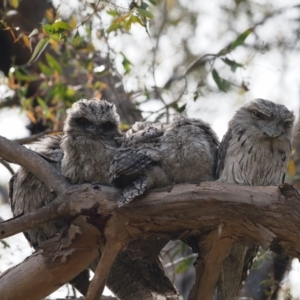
x: 108, y: 125
x: 257, y: 115
x: 83, y: 121
x: 288, y: 124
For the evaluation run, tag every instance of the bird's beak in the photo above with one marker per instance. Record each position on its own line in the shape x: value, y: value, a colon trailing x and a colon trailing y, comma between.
x: 273, y: 131
x: 94, y: 129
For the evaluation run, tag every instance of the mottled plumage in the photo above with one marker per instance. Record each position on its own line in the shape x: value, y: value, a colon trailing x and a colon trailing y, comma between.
x: 84, y: 153
x: 155, y: 155
x: 254, y: 151
x: 27, y: 193
x: 90, y: 141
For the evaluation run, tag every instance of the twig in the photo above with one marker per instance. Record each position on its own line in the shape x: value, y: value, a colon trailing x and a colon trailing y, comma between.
x: 33, y: 138
x: 157, y: 92
x: 7, y: 166
x: 62, y: 206
x: 199, y: 61
x: 33, y: 219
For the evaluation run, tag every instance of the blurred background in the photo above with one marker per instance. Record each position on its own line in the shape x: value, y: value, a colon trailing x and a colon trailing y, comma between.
x: 154, y: 59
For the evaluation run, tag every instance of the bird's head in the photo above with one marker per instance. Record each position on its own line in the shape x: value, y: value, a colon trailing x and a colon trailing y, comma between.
x: 94, y: 118
x: 264, y: 119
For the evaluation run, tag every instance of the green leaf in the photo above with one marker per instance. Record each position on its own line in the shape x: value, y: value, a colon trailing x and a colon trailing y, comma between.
x: 196, y: 95
x: 127, y: 24
x: 135, y: 19
x: 45, y: 69
x: 48, y: 29
x: 185, y: 264
x: 222, y: 84
x: 237, y: 42
x: 126, y: 64
x: 147, y: 93
x: 112, y: 13
x: 182, y: 108
x: 159, y: 117
x: 57, y: 27
x: 241, y: 38
x: 113, y: 27
x: 145, y: 13
x: 53, y: 63
x: 14, y: 3
x: 25, y: 76
x: 39, y: 48
x: 153, y: 2
x: 61, y: 26
x: 5, y: 244
x: 233, y: 64
x: 42, y: 103
x: 144, y: 5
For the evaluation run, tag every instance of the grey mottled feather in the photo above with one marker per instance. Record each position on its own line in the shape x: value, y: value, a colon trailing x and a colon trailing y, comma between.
x: 83, y: 154
x: 27, y: 193
x: 184, y: 151
x: 254, y: 151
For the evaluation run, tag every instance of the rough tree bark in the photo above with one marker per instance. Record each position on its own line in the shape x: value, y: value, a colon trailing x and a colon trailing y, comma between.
x: 264, y: 215
x: 218, y: 214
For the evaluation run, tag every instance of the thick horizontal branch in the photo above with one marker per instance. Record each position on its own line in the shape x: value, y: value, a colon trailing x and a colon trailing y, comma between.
x: 264, y: 215
x: 267, y: 216
x: 28, y: 159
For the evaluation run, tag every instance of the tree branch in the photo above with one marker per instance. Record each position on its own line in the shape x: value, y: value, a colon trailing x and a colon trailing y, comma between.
x: 214, y: 248
x: 7, y: 166
x: 35, y: 137
x: 57, y: 262
x: 28, y: 159
x: 267, y: 216
x: 190, y: 207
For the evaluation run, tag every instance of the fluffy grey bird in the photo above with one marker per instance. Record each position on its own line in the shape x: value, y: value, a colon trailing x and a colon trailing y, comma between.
x: 156, y: 155
x: 254, y: 151
x: 83, y: 153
